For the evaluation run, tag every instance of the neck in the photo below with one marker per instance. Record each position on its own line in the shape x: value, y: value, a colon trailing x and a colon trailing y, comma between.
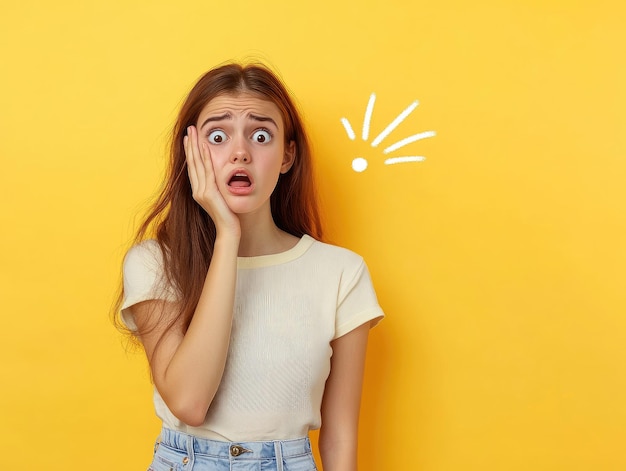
x: 261, y: 236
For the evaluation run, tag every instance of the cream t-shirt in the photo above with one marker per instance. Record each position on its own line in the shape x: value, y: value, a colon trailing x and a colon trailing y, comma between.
x: 288, y: 308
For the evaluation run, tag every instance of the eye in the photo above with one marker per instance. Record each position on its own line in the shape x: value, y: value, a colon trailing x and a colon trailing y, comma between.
x: 217, y: 136
x: 262, y: 136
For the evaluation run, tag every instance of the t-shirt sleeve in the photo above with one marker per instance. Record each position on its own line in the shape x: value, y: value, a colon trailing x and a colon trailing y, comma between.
x: 143, y: 278
x: 357, y: 301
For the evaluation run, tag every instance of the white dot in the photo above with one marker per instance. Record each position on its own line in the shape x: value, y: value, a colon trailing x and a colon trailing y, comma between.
x: 359, y: 164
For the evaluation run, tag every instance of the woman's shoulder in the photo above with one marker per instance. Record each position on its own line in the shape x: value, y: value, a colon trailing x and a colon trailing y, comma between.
x: 335, y: 254
x: 146, y: 253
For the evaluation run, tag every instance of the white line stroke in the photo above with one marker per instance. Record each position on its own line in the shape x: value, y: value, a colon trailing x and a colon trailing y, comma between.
x: 348, y: 127
x: 394, y: 124
x: 408, y: 140
x: 368, y: 117
x: 400, y: 160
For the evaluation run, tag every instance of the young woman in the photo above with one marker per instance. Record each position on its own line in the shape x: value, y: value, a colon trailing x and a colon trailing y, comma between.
x: 255, y: 331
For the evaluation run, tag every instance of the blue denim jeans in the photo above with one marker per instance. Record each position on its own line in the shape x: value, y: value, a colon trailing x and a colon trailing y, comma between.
x: 176, y: 451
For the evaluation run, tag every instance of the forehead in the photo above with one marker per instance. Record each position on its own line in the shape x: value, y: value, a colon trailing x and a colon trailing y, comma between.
x: 241, y: 105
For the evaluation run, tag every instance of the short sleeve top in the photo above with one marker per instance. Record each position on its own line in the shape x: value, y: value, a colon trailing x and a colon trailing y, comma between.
x: 288, y: 309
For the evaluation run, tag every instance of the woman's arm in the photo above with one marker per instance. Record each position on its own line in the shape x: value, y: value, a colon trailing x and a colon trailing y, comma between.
x: 342, y: 400
x: 187, y: 368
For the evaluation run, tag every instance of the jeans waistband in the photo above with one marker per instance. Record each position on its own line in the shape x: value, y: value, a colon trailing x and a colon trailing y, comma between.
x: 249, y: 450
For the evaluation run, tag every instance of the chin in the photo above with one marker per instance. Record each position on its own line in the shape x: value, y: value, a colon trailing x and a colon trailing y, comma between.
x: 245, y: 205
x: 243, y: 208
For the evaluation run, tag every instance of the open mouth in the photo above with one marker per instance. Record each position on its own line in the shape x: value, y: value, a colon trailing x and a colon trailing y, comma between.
x: 239, y: 180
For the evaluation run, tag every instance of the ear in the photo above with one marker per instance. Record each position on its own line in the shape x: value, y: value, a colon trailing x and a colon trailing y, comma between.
x: 289, y: 157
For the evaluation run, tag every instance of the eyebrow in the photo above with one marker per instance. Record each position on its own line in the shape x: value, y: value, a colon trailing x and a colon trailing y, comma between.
x: 262, y: 119
x: 226, y: 116
x: 216, y: 118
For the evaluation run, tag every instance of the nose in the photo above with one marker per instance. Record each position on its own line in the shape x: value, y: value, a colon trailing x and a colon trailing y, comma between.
x: 240, y: 152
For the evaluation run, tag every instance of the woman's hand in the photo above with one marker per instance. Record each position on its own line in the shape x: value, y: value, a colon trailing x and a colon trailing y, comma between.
x: 204, y: 186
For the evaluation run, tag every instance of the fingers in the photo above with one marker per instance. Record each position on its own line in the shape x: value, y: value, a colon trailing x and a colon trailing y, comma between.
x: 191, y: 165
x: 204, y: 186
x: 207, y: 163
x: 199, y: 167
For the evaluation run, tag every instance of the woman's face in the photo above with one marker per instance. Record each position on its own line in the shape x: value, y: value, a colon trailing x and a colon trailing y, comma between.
x: 246, y: 137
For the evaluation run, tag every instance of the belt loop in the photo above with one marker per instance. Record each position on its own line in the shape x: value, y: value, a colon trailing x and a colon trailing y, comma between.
x: 278, y: 452
x: 190, y: 453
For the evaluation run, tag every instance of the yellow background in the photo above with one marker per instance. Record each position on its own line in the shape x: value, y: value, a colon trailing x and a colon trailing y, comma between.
x: 499, y: 260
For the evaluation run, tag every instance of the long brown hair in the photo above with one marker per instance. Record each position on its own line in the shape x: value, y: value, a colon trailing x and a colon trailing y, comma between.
x: 184, y: 231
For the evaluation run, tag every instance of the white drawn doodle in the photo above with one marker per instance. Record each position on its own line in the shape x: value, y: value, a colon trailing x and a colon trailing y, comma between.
x: 359, y: 164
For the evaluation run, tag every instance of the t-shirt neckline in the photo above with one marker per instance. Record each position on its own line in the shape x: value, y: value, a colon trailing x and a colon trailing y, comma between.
x: 277, y: 258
